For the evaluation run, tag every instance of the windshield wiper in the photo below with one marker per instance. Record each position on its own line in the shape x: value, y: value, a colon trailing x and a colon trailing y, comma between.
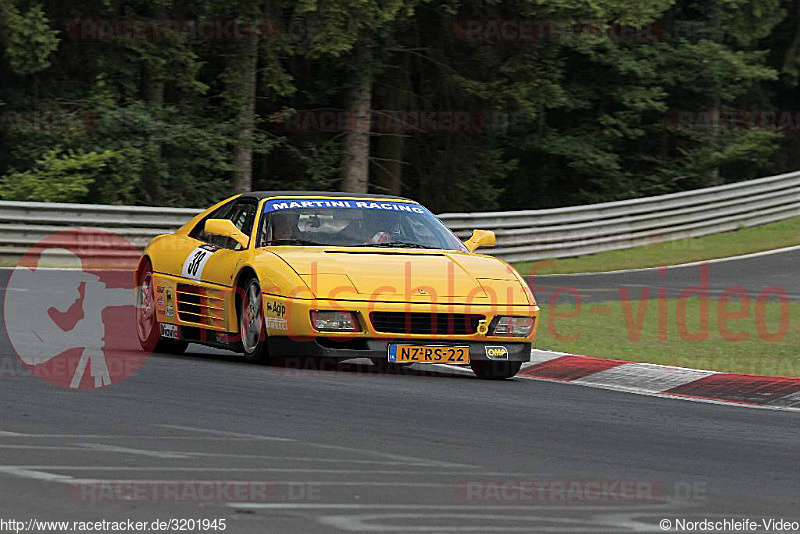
x: 294, y: 242
x: 398, y: 244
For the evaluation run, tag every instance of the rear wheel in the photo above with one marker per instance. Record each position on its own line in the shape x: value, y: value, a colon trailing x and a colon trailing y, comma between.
x: 147, y: 326
x: 495, y: 370
x: 251, y: 322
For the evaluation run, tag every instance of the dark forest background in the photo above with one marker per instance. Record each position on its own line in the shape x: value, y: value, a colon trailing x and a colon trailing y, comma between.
x: 589, y: 115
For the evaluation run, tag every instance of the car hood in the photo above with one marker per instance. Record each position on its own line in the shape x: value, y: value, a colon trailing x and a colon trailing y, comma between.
x: 404, y: 275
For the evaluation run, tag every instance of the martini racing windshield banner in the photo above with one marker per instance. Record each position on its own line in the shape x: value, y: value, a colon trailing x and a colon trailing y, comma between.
x: 285, y: 204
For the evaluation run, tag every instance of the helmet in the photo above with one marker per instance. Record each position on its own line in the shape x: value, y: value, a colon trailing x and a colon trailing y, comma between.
x: 284, y: 224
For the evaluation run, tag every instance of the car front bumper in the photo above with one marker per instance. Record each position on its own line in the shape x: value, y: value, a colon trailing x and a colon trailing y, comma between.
x: 281, y: 346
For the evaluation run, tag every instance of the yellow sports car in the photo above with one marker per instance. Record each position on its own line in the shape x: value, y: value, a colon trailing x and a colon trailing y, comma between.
x: 337, y: 275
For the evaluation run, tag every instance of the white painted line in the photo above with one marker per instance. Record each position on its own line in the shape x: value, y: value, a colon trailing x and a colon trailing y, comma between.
x: 248, y: 468
x: 466, y: 522
x: 106, y: 436
x: 99, y: 447
x: 792, y: 401
x: 681, y: 265
x: 190, y: 454
x: 45, y: 476
x: 44, y: 448
x: 380, y: 506
x: 644, y: 376
x: 378, y: 454
x: 36, y: 475
x: 389, y: 456
x: 224, y: 433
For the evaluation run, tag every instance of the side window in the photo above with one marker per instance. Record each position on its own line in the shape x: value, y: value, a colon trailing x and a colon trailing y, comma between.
x: 243, y: 216
x: 198, y: 232
x: 242, y: 213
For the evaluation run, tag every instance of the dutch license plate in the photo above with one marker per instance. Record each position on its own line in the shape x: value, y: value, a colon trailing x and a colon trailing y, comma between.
x: 428, y: 354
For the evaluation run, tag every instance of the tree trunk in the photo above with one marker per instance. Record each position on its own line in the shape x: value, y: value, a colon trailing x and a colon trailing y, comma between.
x: 355, y: 157
x: 247, y: 68
x: 390, y: 148
x: 392, y: 96
x: 716, y: 104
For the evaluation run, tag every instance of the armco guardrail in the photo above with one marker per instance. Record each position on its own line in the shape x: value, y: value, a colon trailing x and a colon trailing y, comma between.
x: 573, y: 231
x: 521, y: 235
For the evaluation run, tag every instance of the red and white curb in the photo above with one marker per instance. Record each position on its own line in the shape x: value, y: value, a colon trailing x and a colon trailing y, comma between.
x: 774, y: 392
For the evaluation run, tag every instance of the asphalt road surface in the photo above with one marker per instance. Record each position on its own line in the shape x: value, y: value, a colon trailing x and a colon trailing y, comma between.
x: 315, y: 447
x: 755, y: 274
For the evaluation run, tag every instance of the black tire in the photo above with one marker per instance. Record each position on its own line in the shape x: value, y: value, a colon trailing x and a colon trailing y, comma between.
x: 147, y: 326
x: 253, y: 336
x: 489, y: 370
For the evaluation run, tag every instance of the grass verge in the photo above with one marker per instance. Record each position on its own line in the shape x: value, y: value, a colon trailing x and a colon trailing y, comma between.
x: 744, y: 241
x: 754, y: 338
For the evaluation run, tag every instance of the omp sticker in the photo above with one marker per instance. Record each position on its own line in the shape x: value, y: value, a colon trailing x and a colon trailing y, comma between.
x: 170, y: 311
x: 169, y: 331
x: 277, y: 324
x: 196, y: 261
x: 496, y: 353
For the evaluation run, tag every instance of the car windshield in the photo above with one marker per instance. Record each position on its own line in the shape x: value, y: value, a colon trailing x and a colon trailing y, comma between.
x: 353, y: 223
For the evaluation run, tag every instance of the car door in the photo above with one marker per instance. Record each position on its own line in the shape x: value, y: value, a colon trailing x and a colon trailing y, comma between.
x: 210, y: 259
x: 214, y: 259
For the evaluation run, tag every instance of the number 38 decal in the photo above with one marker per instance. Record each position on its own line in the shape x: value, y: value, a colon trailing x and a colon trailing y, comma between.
x: 196, y: 261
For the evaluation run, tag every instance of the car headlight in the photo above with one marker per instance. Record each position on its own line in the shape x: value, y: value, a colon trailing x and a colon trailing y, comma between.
x: 508, y: 326
x: 335, y: 321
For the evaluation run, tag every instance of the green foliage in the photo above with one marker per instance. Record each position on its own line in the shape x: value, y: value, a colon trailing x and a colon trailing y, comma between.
x: 565, y: 121
x: 28, y: 41
x: 57, y: 177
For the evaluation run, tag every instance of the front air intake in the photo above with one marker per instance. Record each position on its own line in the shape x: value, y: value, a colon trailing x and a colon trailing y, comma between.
x: 199, y: 305
x: 457, y: 324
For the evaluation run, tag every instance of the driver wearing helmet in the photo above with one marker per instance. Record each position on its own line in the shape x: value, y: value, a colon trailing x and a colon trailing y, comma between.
x: 379, y: 226
x: 284, y: 225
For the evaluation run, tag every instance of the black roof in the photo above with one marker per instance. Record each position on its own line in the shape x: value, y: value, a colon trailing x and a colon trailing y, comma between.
x: 267, y: 194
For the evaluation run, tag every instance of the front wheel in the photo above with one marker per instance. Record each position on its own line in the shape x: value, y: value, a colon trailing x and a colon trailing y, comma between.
x: 495, y: 370
x: 252, y: 328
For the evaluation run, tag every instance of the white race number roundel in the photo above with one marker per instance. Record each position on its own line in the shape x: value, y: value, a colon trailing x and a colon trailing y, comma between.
x: 196, y: 261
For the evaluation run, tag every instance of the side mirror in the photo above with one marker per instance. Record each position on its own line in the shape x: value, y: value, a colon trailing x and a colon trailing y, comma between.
x: 226, y: 228
x: 480, y: 238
